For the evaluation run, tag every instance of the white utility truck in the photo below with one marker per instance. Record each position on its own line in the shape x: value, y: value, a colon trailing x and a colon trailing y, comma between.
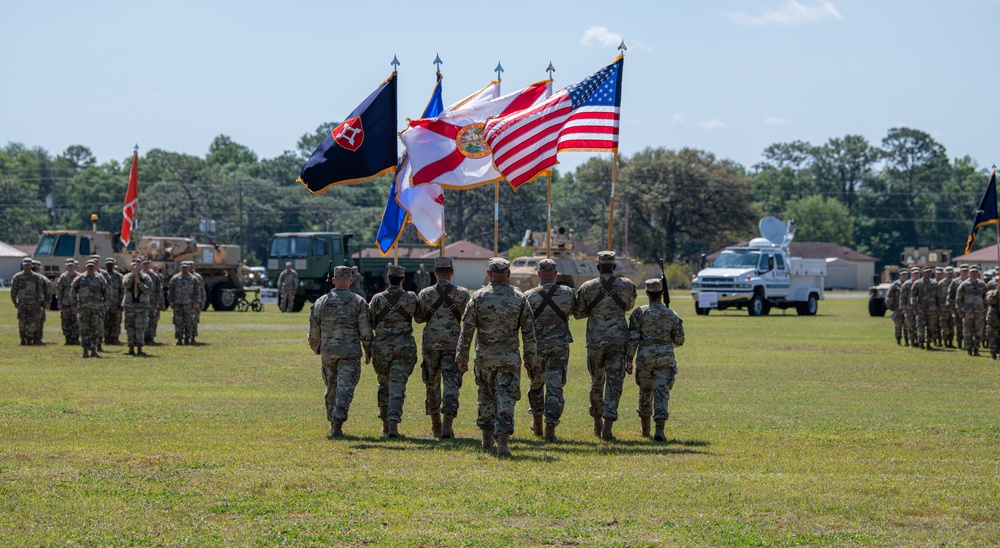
x: 761, y: 275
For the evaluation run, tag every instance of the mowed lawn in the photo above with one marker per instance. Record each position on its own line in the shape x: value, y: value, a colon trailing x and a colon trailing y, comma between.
x: 784, y: 430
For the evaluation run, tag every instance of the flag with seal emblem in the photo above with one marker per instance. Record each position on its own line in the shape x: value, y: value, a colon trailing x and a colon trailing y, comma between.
x: 986, y: 214
x: 361, y: 148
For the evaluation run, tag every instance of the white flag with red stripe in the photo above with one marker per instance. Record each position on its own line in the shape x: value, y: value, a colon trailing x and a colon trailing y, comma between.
x: 582, y: 117
x: 131, y: 200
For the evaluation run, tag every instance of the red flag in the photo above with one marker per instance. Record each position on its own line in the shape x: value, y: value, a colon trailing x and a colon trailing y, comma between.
x: 131, y: 200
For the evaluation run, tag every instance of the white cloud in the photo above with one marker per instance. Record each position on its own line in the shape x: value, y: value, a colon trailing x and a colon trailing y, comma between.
x: 677, y: 120
x: 603, y: 37
x: 792, y: 13
x: 776, y: 121
x: 714, y: 123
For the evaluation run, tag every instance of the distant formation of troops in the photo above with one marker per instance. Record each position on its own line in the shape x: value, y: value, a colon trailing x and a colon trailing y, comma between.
x: 93, y: 304
x: 931, y: 307
x: 344, y: 329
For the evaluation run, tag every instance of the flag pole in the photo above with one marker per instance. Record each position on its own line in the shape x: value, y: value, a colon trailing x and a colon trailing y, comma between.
x: 611, y: 213
x: 496, y: 195
x: 395, y: 250
x: 548, y: 214
x: 997, y: 224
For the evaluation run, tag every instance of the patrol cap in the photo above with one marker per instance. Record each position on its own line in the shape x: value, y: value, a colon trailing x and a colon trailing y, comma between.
x: 963, y: 267
x: 185, y: 264
x: 915, y: 270
x: 92, y: 262
x: 35, y: 263
x: 108, y: 260
x: 499, y: 264
x: 928, y: 269
x: 342, y: 272
x: 145, y: 260
x: 949, y: 270
x: 26, y: 260
x: 654, y: 286
x: 973, y: 268
x: 546, y: 265
x: 443, y: 263
x: 288, y: 263
x: 397, y: 271
x: 938, y: 269
x: 606, y: 257
x: 71, y: 260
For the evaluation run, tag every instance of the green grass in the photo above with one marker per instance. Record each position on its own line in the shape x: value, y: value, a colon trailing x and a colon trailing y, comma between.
x: 783, y: 431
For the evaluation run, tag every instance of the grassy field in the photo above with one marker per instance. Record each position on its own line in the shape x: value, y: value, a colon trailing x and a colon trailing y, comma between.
x: 784, y: 431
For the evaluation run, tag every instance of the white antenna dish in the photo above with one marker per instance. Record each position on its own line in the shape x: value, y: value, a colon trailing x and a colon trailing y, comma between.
x: 773, y: 230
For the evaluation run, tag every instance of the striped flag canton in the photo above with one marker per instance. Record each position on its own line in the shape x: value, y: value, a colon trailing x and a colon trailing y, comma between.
x: 601, y: 89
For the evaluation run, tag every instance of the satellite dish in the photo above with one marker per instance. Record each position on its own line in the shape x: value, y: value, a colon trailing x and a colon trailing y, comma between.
x: 773, y: 229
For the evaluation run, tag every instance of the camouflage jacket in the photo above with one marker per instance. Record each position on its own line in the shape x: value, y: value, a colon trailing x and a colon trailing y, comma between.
x: 943, y: 287
x: 606, y: 317
x: 443, y: 316
x: 391, y: 313
x: 892, y: 296
x: 26, y: 288
x: 422, y: 279
x: 183, y: 290
x: 969, y: 298
x: 201, y: 290
x: 64, y: 288
x: 930, y: 299
x: 115, y: 284
x: 551, y: 306
x: 358, y: 284
x: 91, y: 292
x: 654, y: 330
x: 497, y: 312
x: 917, y: 289
x: 339, y: 325
x: 953, y: 294
x: 288, y: 281
x: 904, y: 295
x: 137, y: 290
x: 156, y: 293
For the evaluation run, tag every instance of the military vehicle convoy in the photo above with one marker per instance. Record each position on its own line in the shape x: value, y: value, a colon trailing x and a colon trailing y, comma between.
x: 911, y: 256
x: 573, y: 269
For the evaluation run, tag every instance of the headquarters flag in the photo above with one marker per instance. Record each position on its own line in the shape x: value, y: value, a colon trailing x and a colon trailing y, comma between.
x: 131, y: 200
x: 582, y: 117
x: 359, y: 149
x: 424, y: 205
x: 449, y: 150
x: 987, y: 212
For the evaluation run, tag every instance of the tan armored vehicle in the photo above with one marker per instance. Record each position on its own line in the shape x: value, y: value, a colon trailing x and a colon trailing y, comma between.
x: 911, y: 256
x: 573, y: 269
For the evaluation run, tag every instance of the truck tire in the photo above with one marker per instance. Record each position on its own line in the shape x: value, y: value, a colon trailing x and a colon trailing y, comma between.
x: 809, y: 307
x: 701, y: 311
x: 224, y: 297
x: 876, y: 307
x: 758, y: 306
x: 298, y: 303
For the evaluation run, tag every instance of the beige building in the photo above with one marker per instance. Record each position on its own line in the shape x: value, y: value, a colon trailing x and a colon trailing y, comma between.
x: 985, y: 258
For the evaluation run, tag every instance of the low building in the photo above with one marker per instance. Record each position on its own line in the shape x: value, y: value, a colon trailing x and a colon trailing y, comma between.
x: 471, y: 261
x: 10, y: 262
x: 985, y: 258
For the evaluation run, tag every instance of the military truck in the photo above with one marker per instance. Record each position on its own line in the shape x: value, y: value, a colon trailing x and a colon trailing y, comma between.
x: 314, y: 254
x: 219, y: 265
x: 573, y: 269
x: 911, y: 256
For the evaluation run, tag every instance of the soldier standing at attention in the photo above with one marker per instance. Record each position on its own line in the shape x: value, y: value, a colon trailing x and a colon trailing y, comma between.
x: 972, y: 306
x: 909, y: 333
x: 394, y: 350
x: 90, y: 296
x: 113, y: 318
x: 654, y: 330
x: 440, y: 307
x: 64, y: 302
x: 339, y: 330
x: 551, y: 307
x: 963, y: 274
x: 893, y: 302
x: 914, y: 308
x: 497, y: 312
x: 357, y: 282
x: 422, y: 278
x: 155, y: 301
x: 929, y: 309
x: 182, y: 292
x: 28, y: 296
x: 46, y: 284
x: 288, y: 283
x: 202, y: 301
x: 137, y: 289
x: 945, y: 319
x: 104, y: 311
x: 604, y: 301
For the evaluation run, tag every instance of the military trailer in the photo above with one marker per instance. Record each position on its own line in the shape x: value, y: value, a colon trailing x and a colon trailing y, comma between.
x: 314, y: 254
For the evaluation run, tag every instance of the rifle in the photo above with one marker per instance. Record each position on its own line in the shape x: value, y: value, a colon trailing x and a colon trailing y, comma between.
x: 666, y: 290
x: 328, y: 279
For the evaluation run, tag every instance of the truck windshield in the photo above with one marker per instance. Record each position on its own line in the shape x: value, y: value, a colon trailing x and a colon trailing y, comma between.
x: 731, y: 259
x: 289, y: 246
x: 45, y: 246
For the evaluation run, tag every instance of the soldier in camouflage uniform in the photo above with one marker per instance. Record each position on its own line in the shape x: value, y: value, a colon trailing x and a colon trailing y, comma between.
x: 357, y: 282
x: 90, y: 296
x: 136, y: 297
x: 64, y: 302
x: 892, y: 302
x: 654, y: 330
x: 288, y: 284
x: 182, y: 292
x: 963, y: 274
x: 113, y: 319
x: 104, y: 311
x: 924, y: 297
x: 36, y: 267
x: 551, y: 306
x: 970, y: 301
x: 909, y: 332
x: 440, y: 307
x: 604, y: 301
x: 202, y: 302
x: 155, y: 301
x: 28, y: 295
x: 993, y: 321
x: 497, y: 312
x: 394, y: 350
x: 945, y: 320
x: 422, y: 278
x: 339, y: 330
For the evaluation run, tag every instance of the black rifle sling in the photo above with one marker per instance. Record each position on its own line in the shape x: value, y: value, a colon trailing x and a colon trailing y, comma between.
x: 393, y: 300
x: 444, y: 299
x: 607, y: 288
x: 547, y: 301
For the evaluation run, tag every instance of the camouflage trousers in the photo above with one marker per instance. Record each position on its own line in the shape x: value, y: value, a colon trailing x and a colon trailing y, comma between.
x: 183, y: 322
x: 973, y: 325
x: 898, y: 324
x: 341, y: 377
x: 946, y: 325
x: 655, y: 378
x: 607, y: 375
x: 29, y: 320
x: 136, y: 320
x: 992, y: 328
x: 499, y: 389
x: 41, y: 324
x: 911, y: 325
x: 439, y: 367
x: 70, y: 324
x: 927, y: 326
x: 195, y: 322
x: 959, y: 328
x: 286, y: 301
x: 545, y: 395
x: 91, y: 327
x: 113, y: 324
x: 393, y: 367
x: 152, y: 320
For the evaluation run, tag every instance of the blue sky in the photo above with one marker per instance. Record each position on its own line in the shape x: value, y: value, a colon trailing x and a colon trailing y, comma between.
x: 727, y: 76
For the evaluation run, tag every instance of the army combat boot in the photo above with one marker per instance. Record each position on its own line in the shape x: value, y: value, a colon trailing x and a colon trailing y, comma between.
x: 86, y: 353
x: 383, y: 412
x: 393, y: 429
x: 550, y: 432
x: 606, y: 434
x: 502, y: 449
x: 645, y: 426
x: 336, y: 429
x: 597, y: 426
x: 139, y: 351
x: 131, y: 350
x: 659, y: 430
x: 436, y: 424
x: 536, y: 425
x: 487, y: 438
x: 446, y: 431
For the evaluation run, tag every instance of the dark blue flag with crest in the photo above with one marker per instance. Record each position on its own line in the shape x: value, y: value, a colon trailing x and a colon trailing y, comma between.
x: 987, y: 212
x: 361, y: 148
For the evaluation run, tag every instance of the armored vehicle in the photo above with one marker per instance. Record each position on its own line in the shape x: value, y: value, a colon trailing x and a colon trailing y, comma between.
x: 573, y: 269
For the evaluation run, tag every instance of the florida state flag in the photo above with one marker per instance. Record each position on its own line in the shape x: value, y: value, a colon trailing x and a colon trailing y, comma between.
x: 131, y: 200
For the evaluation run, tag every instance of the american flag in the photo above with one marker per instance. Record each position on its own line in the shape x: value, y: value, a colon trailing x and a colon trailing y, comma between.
x: 582, y: 117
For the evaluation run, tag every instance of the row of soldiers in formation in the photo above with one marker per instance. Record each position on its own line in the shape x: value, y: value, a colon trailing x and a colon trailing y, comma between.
x: 93, y: 303
x: 343, y: 328
x: 931, y: 307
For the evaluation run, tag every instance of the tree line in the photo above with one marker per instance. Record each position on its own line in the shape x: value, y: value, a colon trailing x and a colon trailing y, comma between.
x: 877, y: 199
